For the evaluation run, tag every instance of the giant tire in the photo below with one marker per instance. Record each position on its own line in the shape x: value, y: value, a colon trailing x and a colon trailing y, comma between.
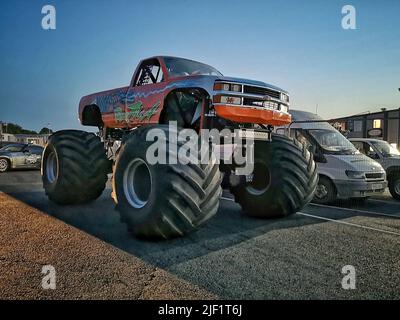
x: 284, y: 179
x: 74, y: 167
x: 168, y: 200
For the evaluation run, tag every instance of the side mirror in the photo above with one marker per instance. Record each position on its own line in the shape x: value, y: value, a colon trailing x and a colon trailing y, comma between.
x: 313, y: 149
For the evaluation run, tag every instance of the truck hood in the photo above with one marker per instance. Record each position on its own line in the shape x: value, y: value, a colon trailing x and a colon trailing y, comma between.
x: 251, y: 82
x: 358, y: 162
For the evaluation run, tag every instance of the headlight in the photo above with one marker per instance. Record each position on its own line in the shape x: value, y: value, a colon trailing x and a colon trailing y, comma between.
x: 284, y: 108
x: 284, y: 97
x: 218, y: 86
x: 355, y: 174
x: 227, y: 100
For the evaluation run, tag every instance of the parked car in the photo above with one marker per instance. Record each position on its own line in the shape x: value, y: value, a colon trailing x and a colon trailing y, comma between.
x: 17, y: 155
x: 387, y: 155
x: 343, y: 171
x: 4, y: 143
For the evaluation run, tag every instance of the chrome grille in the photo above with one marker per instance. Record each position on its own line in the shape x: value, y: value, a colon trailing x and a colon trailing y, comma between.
x: 262, y: 91
x: 374, y: 176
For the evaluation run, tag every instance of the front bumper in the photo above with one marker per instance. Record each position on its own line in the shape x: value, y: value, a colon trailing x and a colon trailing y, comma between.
x: 359, y: 189
x: 253, y: 115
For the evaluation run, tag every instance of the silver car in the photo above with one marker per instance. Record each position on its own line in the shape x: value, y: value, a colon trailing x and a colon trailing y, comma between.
x: 387, y: 155
x: 15, y: 156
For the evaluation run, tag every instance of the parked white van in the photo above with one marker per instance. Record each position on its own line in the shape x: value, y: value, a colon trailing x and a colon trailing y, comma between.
x: 343, y: 171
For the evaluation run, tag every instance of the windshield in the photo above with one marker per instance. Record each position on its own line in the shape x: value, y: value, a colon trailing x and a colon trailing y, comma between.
x: 332, y: 141
x: 13, y: 148
x: 182, y: 67
x: 386, y: 149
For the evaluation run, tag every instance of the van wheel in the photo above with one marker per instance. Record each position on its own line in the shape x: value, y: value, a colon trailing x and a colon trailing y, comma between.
x: 394, y: 186
x: 325, y: 192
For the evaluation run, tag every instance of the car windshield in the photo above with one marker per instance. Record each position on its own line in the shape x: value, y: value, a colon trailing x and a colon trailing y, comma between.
x: 13, y: 148
x: 386, y: 149
x: 183, y: 67
x: 332, y: 141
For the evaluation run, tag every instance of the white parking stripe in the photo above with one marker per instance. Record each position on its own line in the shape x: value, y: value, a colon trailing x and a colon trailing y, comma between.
x: 342, y: 222
x: 384, y: 201
x: 356, y: 210
x: 396, y: 215
x: 348, y: 223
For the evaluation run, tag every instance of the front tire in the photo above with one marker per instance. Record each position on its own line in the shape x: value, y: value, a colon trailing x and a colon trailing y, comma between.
x: 162, y: 201
x: 394, y: 186
x: 325, y: 192
x: 4, y: 165
x: 284, y: 179
x: 74, y: 167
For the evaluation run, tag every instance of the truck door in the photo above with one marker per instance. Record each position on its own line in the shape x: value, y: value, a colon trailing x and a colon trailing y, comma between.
x: 145, y: 97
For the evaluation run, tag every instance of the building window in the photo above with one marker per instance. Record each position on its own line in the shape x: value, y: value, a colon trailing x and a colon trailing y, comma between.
x: 377, y: 124
x: 358, y: 126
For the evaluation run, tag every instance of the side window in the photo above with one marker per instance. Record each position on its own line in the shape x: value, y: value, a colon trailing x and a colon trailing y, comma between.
x: 359, y: 146
x: 150, y: 72
x: 35, y: 150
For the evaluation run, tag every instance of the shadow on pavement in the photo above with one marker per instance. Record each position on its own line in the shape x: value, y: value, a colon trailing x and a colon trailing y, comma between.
x: 99, y: 218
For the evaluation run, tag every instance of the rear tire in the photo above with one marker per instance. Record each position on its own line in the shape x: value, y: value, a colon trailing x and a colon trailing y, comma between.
x: 74, y: 167
x: 162, y: 201
x: 394, y: 186
x: 284, y: 180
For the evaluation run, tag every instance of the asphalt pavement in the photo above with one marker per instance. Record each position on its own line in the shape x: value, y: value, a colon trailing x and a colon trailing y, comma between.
x: 232, y: 257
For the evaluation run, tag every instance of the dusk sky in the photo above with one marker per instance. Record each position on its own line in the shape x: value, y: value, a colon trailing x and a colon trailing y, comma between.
x: 297, y: 45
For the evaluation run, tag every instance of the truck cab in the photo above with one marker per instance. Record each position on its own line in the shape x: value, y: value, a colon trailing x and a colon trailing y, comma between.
x: 343, y: 171
x: 387, y: 155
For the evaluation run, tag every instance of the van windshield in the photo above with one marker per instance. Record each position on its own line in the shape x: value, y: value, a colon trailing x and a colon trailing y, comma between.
x: 332, y: 141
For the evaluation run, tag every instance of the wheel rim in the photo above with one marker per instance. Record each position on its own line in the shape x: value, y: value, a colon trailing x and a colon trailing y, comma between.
x: 137, y: 183
x: 321, y: 191
x: 261, y: 180
x: 3, y: 164
x: 397, y: 186
x: 51, y: 167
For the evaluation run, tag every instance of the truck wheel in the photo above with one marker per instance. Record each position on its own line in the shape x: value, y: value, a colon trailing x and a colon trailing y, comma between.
x: 325, y: 192
x: 284, y: 179
x: 74, y: 167
x: 4, y: 165
x: 162, y: 201
x: 394, y: 186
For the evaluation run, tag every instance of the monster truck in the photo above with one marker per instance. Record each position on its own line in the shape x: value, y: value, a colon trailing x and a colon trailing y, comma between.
x: 165, y: 200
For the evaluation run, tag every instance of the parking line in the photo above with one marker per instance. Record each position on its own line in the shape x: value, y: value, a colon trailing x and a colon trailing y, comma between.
x: 383, y: 201
x: 341, y: 222
x: 397, y: 215
x: 356, y: 210
x: 348, y: 223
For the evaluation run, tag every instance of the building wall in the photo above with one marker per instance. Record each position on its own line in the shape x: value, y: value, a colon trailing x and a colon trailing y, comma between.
x: 24, y: 138
x: 359, y: 126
